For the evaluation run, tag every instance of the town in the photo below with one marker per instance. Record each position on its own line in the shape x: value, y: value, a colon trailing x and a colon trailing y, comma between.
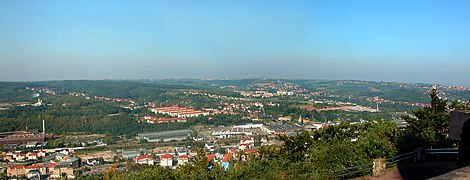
x: 254, y: 116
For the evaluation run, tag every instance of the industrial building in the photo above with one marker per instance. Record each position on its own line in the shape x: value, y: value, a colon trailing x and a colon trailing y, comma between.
x: 23, y: 138
x: 165, y: 136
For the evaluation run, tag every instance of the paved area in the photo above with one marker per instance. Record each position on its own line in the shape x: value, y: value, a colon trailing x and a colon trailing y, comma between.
x: 462, y: 173
x: 424, y: 170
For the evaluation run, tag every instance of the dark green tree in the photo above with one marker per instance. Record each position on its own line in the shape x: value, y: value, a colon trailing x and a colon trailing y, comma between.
x: 456, y: 105
x: 431, y: 125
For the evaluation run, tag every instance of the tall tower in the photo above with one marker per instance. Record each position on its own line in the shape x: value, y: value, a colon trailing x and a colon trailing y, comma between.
x: 313, y: 118
x: 377, y: 107
x: 43, y: 127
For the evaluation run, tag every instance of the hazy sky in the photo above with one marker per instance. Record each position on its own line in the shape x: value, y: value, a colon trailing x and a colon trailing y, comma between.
x: 407, y: 41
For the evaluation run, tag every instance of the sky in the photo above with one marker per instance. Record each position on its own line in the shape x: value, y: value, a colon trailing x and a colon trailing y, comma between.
x: 402, y: 40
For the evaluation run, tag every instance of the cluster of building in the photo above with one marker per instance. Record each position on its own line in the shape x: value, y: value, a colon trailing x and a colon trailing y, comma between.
x: 180, y: 112
x: 215, y: 96
x: 173, y: 157
x: 22, y: 157
x: 165, y: 160
x: 41, y: 90
x: 79, y: 94
x: 278, y: 85
x: 272, y: 89
x: 59, y: 165
x: 39, y: 171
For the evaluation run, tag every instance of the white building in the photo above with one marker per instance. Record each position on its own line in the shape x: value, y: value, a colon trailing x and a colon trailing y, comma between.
x: 183, y: 159
x: 166, y: 160
x: 249, y: 141
x: 148, y: 160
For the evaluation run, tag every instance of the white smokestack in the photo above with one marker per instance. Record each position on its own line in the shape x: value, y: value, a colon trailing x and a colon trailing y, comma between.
x: 43, y: 126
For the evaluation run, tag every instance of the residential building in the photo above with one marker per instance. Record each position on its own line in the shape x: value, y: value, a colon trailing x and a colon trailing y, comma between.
x: 209, y: 146
x: 33, y: 174
x: 40, y: 153
x: 32, y: 156
x: 93, y: 161
x: 285, y: 118
x: 183, y: 159
x: 19, y: 157
x: 249, y: 141
x: 60, y: 171
x: 211, y: 157
x: 159, y: 151
x: 32, y: 144
x: 41, y: 168
x: 166, y: 160
x: 16, y: 171
x: 73, y: 161
x: 226, y: 161
x: 243, y: 146
x: 148, y: 160
x: 180, y: 112
x: 60, y: 157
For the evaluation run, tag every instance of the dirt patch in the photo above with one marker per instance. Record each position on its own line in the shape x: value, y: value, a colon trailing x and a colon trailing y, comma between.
x: 374, y: 90
x: 106, y: 155
x: 308, y: 106
x: 391, y: 174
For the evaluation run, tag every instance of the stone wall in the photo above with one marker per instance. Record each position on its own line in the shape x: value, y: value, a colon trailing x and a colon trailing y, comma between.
x: 457, y: 119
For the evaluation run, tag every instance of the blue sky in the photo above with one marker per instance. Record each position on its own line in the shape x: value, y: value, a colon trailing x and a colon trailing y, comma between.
x: 406, y: 41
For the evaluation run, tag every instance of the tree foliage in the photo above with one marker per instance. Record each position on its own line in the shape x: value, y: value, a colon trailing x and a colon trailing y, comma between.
x: 431, y: 125
x: 307, y: 155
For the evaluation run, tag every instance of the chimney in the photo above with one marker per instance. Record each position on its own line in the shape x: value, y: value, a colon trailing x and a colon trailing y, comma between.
x: 313, y: 118
x: 43, y: 127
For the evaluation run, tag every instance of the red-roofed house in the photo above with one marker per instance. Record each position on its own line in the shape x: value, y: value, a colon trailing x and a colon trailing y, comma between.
x: 252, y: 150
x: 144, y: 160
x: 233, y: 151
x: 40, y: 167
x: 180, y: 112
x: 41, y: 153
x: 226, y: 161
x: 166, y: 160
x: 227, y: 157
x: 32, y: 156
x: 253, y: 115
x: 210, y: 157
x: 193, y: 152
x: 247, y: 141
x: 51, y: 166
x: 247, y: 152
x: 16, y: 171
x: 183, y: 159
x: 20, y: 157
x: 242, y: 146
